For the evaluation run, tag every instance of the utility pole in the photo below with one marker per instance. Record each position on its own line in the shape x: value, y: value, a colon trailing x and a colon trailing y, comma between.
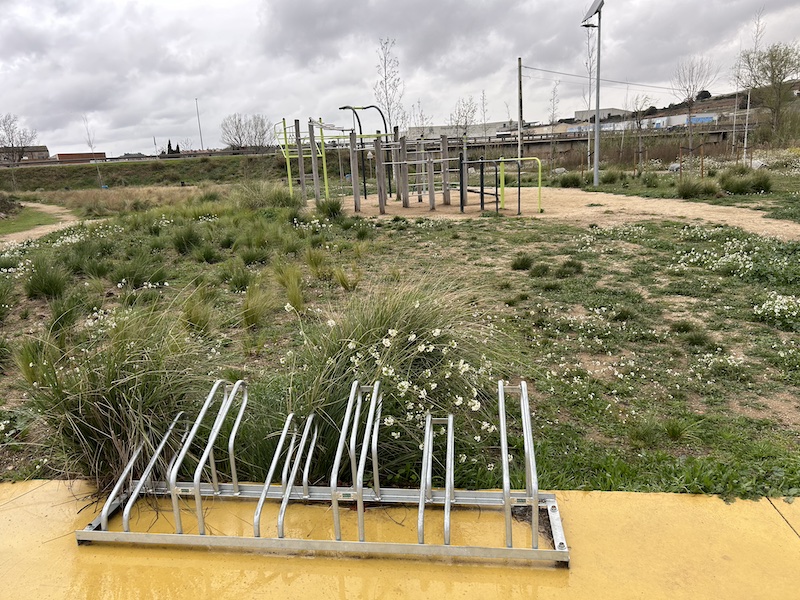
x: 519, y: 123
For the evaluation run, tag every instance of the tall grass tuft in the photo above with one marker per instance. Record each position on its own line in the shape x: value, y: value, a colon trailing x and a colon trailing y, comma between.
x: 257, y: 306
x: 6, y: 297
x: 120, y: 386
x: 46, y: 279
x: 256, y: 194
x: 430, y: 353
x: 331, y: 208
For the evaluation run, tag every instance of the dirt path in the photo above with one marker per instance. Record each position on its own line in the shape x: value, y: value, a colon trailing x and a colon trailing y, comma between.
x: 581, y: 208
x: 65, y: 217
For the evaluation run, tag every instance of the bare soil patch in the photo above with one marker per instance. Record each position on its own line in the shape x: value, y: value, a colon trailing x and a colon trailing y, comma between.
x: 572, y: 207
x: 66, y: 219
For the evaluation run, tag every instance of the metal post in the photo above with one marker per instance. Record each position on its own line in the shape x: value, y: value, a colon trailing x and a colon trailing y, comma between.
x: 445, y: 171
x: 462, y: 189
x: 314, y: 166
x: 197, y: 107
x: 481, y: 171
x: 354, y: 171
x: 597, y: 110
x: 519, y: 123
x: 300, y: 161
x: 361, y: 135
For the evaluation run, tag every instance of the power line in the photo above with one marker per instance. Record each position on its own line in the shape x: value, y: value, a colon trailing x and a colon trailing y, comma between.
x: 629, y: 83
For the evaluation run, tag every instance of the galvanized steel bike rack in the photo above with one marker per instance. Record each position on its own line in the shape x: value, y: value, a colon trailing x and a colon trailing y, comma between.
x: 359, y: 438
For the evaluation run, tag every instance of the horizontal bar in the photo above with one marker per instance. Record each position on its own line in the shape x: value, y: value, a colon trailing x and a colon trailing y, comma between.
x: 313, y: 547
x: 318, y: 493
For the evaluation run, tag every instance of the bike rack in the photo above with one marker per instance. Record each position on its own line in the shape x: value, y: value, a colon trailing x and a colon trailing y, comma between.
x: 359, y: 438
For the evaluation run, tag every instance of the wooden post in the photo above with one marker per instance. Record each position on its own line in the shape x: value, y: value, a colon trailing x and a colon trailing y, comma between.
x: 402, y: 186
x: 314, y: 167
x: 395, y: 159
x: 419, y: 167
x: 380, y: 175
x: 300, y: 162
x: 431, y: 182
x: 445, y: 171
x: 354, y: 172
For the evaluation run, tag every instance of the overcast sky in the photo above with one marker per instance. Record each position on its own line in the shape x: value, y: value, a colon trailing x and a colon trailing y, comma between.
x: 135, y: 68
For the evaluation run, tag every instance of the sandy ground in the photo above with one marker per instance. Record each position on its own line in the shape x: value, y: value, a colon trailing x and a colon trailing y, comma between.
x: 581, y: 208
x: 65, y: 217
x: 574, y: 207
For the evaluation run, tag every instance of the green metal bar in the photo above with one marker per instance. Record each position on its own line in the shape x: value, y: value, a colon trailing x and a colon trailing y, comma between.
x: 324, y: 166
x: 288, y: 162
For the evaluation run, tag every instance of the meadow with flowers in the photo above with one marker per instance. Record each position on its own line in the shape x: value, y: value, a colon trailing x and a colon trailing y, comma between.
x: 660, y: 356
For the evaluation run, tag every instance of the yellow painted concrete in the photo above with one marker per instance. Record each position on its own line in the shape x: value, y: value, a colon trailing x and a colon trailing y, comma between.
x: 789, y: 511
x: 622, y: 546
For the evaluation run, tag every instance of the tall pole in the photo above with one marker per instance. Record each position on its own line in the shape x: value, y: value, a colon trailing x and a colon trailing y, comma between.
x: 361, y: 135
x: 197, y: 108
x: 519, y: 94
x: 597, y: 108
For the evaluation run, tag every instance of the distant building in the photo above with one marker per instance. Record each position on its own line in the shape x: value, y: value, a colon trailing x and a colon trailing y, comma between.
x: 28, y: 153
x: 80, y: 157
x: 605, y: 113
x: 474, y: 131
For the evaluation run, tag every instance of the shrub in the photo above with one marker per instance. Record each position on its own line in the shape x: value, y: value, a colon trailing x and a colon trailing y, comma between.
x: 688, y: 188
x: 610, y: 177
x: 650, y: 179
x: 570, y: 180
x: 46, y: 279
x: 737, y: 181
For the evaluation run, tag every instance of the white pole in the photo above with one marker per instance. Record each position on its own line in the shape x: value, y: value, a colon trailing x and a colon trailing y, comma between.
x: 597, y: 109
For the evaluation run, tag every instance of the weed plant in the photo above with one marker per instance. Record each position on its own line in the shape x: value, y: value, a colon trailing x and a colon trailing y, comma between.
x: 46, y: 279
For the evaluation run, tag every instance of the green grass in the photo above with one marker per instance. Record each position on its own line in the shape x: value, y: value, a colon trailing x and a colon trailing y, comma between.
x: 660, y: 356
x: 26, y: 219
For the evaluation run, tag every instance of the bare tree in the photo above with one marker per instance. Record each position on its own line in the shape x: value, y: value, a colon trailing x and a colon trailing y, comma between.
x: 261, y: 133
x: 90, y: 143
x: 770, y: 71
x: 485, y: 113
x: 247, y: 131
x: 418, y: 117
x: 463, y: 116
x: 641, y: 102
x: 13, y: 142
x: 692, y: 76
x: 186, y: 144
x: 389, y: 88
x: 234, y: 131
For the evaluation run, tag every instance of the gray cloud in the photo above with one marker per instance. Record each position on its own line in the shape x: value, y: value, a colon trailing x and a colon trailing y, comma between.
x: 136, y: 67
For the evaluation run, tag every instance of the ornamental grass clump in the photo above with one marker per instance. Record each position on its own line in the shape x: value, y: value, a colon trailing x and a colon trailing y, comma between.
x: 431, y: 352
x: 120, y: 386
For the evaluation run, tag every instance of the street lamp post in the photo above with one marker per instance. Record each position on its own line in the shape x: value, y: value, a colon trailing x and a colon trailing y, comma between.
x: 385, y: 130
x: 596, y: 9
x: 361, y: 134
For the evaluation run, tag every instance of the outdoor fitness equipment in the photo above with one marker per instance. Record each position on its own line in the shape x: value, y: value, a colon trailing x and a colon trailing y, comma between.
x: 356, y: 452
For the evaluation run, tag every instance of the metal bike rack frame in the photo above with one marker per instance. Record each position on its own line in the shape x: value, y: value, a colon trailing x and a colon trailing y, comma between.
x: 359, y: 438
